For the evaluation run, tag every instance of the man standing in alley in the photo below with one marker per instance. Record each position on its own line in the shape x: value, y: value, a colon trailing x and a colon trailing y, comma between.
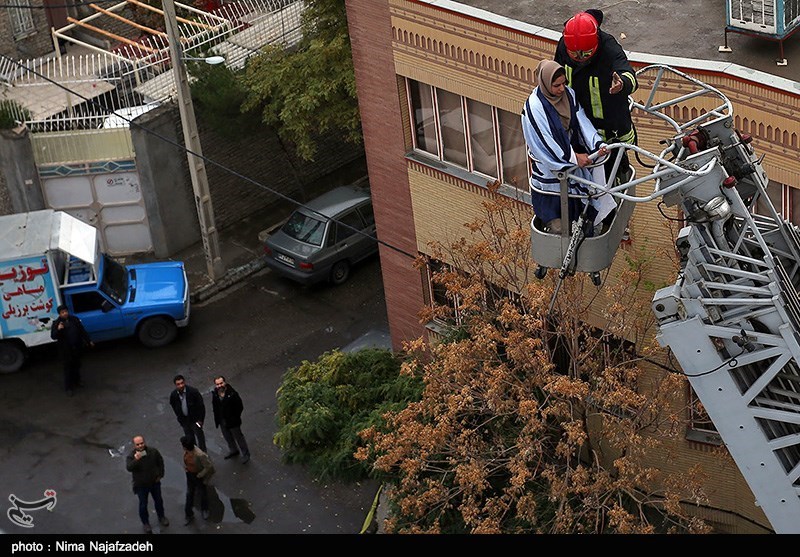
x: 228, y: 407
x: 190, y: 410
x: 199, y: 470
x: 146, y: 466
x: 72, y: 339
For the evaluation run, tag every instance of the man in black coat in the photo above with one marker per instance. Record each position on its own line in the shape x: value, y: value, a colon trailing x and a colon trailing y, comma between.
x: 599, y: 72
x: 190, y: 409
x: 72, y: 338
x: 228, y: 407
x: 146, y: 466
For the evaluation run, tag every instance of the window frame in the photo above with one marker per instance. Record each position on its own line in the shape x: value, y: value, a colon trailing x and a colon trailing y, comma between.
x: 433, y: 266
x: 501, y: 164
x: 21, y: 18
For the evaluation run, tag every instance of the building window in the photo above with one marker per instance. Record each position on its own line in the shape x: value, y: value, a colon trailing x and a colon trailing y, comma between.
x: 424, y: 124
x: 513, y: 150
x: 483, y: 147
x: 794, y: 205
x: 21, y: 19
x: 468, y: 133
x: 785, y: 199
x: 445, y: 305
x: 451, y: 120
x: 700, y: 427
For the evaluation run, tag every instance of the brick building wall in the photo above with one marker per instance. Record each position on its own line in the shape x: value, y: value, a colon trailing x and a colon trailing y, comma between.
x: 31, y: 45
x: 262, y: 158
x: 370, y: 36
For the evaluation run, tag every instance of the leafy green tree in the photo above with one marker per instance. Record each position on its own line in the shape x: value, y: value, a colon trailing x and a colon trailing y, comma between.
x: 218, y: 95
x: 310, y: 88
x: 323, y: 405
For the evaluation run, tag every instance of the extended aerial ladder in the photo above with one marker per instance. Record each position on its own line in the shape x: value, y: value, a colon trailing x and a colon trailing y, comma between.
x: 733, y: 315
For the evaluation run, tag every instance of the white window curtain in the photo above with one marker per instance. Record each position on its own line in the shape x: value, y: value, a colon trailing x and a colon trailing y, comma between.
x: 424, y: 118
x: 513, y: 152
x: 451, y: 118
x: 482, y: 138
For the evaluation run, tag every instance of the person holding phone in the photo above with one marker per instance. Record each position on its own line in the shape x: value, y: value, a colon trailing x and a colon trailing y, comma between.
x: 146, y: 466
x: 72, y: 338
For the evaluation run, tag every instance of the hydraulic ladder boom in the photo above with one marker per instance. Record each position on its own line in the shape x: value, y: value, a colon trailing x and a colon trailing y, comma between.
x: 733, y: 315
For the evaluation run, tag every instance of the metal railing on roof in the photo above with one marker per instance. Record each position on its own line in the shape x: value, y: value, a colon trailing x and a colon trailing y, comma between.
x: 78, y: 91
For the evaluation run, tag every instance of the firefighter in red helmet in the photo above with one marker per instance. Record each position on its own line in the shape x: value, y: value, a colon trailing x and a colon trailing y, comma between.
x: 602, y: 77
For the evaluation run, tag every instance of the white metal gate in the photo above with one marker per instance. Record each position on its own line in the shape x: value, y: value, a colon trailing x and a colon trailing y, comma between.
x: 105, y: 195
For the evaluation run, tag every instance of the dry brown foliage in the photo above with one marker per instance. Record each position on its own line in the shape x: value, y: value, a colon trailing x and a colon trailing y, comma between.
x: 534, y: 423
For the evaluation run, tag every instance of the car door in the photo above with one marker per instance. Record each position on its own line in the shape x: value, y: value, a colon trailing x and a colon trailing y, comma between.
x: 345, y: 241
x: 100, y: 316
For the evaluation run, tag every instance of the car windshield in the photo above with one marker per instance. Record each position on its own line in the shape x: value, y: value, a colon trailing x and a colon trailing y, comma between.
x: 115, y: 280
x: 304, y: 228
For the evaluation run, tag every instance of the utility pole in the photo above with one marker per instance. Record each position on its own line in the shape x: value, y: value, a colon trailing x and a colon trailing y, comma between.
x: 197, y: 169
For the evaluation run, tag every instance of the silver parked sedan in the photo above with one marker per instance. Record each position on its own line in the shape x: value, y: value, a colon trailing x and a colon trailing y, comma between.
x: 324, y: 238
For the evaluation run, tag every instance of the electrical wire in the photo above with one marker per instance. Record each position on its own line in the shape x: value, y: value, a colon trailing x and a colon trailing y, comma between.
x: 732, y: 362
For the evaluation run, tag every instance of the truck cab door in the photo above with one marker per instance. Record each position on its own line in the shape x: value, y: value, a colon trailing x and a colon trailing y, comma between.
x: 100, y: 316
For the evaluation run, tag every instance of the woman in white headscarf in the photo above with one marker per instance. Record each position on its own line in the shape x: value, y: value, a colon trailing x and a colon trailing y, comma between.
x: 560, y: 136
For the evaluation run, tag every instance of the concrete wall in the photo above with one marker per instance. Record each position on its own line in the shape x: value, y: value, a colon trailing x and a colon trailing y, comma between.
x: 164, y: 179
x: 22, y: 191
x: 254, y: 172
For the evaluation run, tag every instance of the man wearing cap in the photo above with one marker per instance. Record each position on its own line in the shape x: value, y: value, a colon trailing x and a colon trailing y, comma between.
x: 599, y: 72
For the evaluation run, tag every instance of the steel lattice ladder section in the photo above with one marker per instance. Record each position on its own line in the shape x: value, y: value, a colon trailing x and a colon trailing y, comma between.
x: 732, y: 321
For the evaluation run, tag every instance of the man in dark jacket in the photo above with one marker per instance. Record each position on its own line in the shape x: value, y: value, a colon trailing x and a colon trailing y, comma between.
x: 228, y: 407
x: 190, y: 410
x: 72, y: 338
x: 146, y: 466
x: 602, y: 77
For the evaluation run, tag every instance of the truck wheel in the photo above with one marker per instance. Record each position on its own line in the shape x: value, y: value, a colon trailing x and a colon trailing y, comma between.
x: 12, y: 356
x: 340, y: 272
x: 157, y: 331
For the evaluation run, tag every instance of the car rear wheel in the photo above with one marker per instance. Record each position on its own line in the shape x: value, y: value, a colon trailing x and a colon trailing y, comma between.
x: 12, y: 356
x: 157, y: 331
x: 340, y: 272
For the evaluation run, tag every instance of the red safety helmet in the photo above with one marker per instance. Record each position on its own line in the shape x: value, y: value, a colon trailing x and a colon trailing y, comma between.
x: 580, y: 34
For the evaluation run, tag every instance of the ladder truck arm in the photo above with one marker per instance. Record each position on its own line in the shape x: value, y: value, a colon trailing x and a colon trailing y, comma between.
x: 732, y: 317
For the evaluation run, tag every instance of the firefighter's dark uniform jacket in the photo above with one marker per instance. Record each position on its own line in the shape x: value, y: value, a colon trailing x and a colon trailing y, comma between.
x: 591, y: 81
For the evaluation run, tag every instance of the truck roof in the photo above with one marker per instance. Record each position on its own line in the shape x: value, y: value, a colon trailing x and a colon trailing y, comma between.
x: 36, y: 232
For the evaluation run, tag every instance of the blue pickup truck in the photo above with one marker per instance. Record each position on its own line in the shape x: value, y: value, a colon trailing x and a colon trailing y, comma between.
x: 49, y: 258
